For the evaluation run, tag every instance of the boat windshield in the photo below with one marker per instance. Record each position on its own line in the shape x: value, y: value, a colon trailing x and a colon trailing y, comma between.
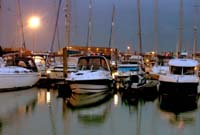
x: 92, y: 64
x: 183, y: 70
x: 126, y: 69
x: 129, y: 62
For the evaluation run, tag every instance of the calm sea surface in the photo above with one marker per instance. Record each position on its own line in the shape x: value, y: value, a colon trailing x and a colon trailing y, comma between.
x: 37, y: 111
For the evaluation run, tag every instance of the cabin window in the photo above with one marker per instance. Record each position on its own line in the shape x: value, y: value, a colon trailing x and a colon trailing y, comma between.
x: 104, y: 64
x: 30, y: 62
x: 188, y: 70
x: 126, y: 69
x: 82, y: 64
x: 182, y: 70
x: 21, y: 64
x: 176, y: 70
x: 92, y: 64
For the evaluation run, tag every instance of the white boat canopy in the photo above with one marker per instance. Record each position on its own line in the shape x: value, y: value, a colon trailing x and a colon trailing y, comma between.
x: 183, y: 62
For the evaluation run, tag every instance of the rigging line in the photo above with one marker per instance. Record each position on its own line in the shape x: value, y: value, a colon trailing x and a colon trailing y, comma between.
x: 21, y: 23
x: 58, y: 38
x: 58, y: 34
x: 56, y: 25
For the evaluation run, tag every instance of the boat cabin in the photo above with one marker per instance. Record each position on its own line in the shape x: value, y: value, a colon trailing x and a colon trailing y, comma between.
x: 183, y: 67
x: 128, y: 67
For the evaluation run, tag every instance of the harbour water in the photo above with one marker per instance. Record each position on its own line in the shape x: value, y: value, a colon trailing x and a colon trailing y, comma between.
x: 38, y: 111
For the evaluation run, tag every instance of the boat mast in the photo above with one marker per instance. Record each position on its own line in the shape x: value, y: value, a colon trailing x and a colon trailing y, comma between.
x: 65, y: 49
x: 56, y: 26
x: 139, y: 29
x: 68, y: 21
x: 111, y: 39
x: 0, y: 5
x: 156, y: 26
x: 21, y: 23
x: 195, y: 27
x: 179, y: 45
x: 89, y: 36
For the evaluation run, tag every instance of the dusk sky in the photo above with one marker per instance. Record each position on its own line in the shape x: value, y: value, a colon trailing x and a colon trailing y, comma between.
x: 125, y: 29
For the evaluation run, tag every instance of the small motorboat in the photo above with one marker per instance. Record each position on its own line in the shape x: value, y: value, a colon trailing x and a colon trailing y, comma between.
x: 19, y: 73
x: 93, y: 75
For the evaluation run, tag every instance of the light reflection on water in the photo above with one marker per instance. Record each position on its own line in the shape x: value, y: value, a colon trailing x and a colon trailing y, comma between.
x: 38, y: 111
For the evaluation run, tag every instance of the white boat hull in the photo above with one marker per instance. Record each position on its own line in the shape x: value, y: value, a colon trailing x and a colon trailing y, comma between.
x: 89, y: 82
x: 175, y: 84
x: 16, y: 81
x: 88, y: 88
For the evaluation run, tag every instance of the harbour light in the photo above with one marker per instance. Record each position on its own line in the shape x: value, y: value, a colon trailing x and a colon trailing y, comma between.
x: 34, y: 22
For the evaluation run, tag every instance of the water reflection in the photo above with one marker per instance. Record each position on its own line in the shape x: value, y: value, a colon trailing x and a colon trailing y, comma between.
x: 17, y: 102
x: 94, y: 115
x: 180, y: 112
x: 91, y: 108
x: 48, y: 95
x: 15, y: 105
x: 177, y: 103
x: 42, y: 112
x: 141, y: 110
x: 179, y: 119
x: 87, y: 100
x: 116, y: 99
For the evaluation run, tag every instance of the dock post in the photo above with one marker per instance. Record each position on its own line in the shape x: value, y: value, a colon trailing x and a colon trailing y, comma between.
x: 65, y: 61
x: 63, y: 88
x: 116, y: 56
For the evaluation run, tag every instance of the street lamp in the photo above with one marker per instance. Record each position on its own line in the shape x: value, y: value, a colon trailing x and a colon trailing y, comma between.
x: 128, y: 48
x: 34, y: 23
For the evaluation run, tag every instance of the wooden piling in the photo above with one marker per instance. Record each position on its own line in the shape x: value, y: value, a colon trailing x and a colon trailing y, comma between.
x: 65, y: 62
x: 64, y: 90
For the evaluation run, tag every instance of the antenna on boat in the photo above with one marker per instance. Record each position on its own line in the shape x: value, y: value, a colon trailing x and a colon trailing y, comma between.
x: 89, y: 36
x: 111, y: 39
x: 139, y: 29
x: 179, y: 45
x: 195, y: 28
x: 21, y: 23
